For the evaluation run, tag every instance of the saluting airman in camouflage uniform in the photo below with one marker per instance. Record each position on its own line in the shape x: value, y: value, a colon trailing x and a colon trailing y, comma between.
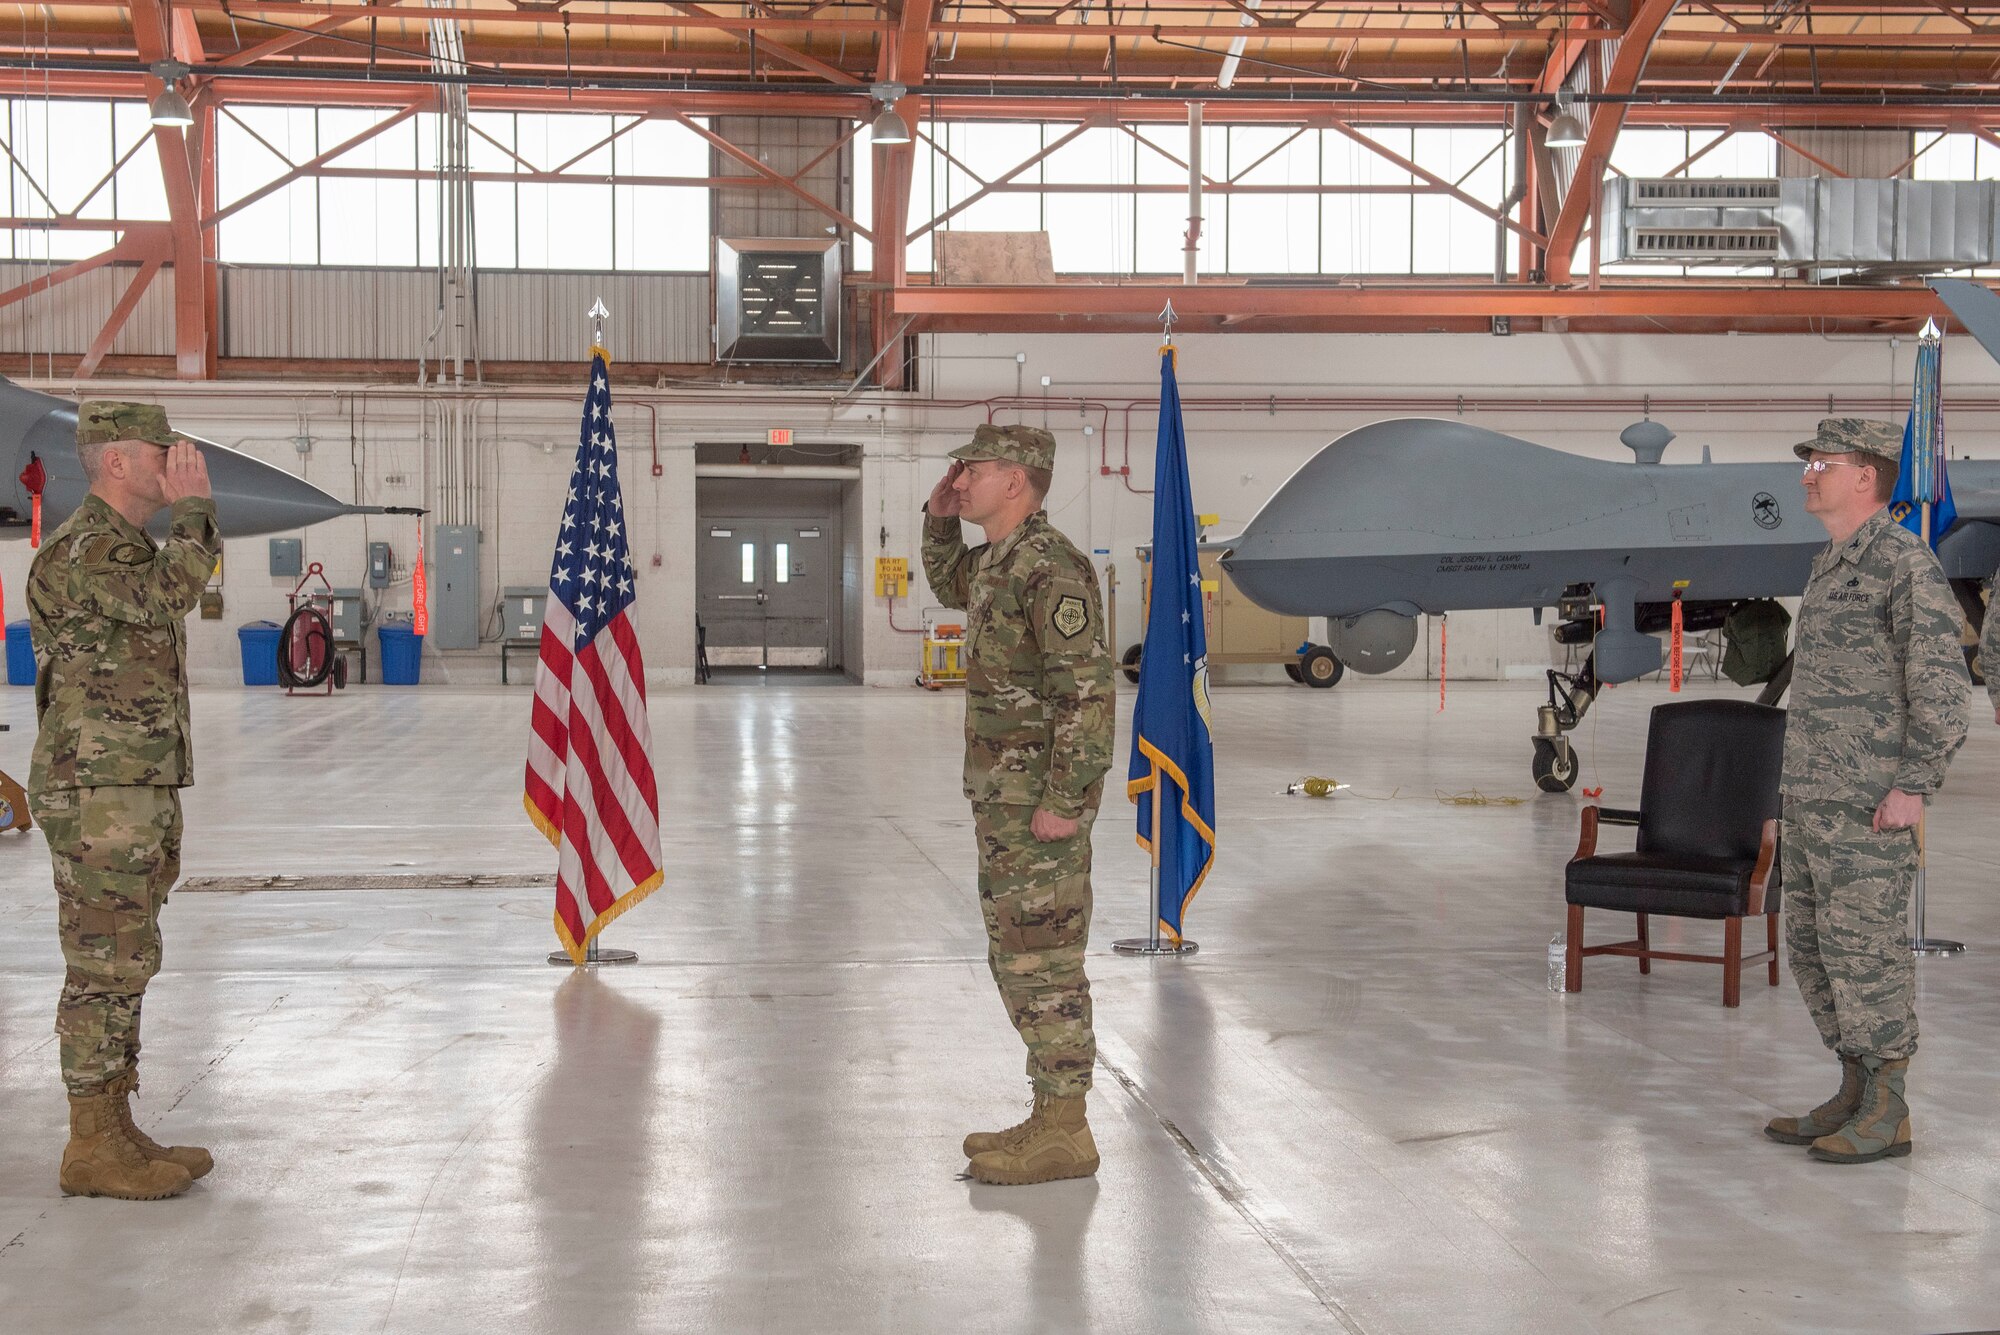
x: 1038, y: 723
x: 106, y: 606
x: 1878, y: 708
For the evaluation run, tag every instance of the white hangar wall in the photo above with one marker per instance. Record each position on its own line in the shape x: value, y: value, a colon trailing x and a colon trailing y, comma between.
x: 366, y: 443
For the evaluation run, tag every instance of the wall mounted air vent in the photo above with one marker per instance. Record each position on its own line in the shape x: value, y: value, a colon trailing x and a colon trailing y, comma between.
x: 1734, y: 192
x: 1667, y: 243
x: 777, y: 300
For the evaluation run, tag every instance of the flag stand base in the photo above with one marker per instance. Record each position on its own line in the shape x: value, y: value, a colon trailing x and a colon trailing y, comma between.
x: 594, y: 954
x: 1146, y: 945
x: 1934, y: 946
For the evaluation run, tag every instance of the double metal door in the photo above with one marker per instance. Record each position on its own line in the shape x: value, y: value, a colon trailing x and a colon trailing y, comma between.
x: 764, y: 590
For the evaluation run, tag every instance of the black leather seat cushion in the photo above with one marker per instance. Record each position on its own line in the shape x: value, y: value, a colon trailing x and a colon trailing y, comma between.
x: 1682, y: 884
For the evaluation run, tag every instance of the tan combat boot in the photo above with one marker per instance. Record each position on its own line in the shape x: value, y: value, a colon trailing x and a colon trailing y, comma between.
x: 195, y: 1159
x: 1880, y: 1127
x: 1053, y: 1143
x: 100, y: 1160
x: 1830, y: 1116
x: 979, y: 1142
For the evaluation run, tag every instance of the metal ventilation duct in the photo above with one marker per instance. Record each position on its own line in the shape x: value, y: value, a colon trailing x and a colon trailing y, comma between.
x: 1872, y: 226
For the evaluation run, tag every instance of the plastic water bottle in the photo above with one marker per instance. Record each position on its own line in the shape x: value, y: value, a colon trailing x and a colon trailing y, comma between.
x: 1558, y: 963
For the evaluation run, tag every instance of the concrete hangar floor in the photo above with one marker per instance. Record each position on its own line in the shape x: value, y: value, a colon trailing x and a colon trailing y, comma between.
x: 1357, y: 1109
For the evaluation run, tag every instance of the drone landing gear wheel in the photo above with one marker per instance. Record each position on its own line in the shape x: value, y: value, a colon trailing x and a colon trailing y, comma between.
x: 1319, y: 668
x: 1554, y: 767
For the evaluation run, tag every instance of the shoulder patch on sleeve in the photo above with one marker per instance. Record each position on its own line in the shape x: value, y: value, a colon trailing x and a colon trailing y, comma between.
x: 1071, y: 617
x: 116, y: 551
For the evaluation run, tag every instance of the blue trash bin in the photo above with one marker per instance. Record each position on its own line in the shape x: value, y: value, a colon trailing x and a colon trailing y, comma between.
x: 259, y: 642
x: 402, y: 654
x: 20, y: 655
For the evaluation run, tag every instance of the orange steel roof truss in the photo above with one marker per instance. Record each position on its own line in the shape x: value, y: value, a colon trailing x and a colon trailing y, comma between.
x: 1915, y: 64
x: 1291, y: 47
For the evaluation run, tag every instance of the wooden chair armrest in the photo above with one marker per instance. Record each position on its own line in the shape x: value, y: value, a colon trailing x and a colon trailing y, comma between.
x: 1760, y: 876
x: 1586, y: 842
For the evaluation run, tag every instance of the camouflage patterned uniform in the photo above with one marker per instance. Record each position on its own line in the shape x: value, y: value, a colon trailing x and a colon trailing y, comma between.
x: 106, y: 606
x: 1989, y: 646
x: 1878, y: 702
x: 1038, y: 723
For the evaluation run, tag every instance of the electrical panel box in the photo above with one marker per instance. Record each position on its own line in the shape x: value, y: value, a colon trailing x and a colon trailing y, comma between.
x: 455, y: 554
x: 346, y: 615
x: 378, y: 565
x: 521, y: 611
x: 287, y: 558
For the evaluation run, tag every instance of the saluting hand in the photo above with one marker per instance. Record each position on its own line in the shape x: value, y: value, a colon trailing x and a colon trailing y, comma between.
x: 186, y: 473
x: 945, y: 500
x: 1051, y: 828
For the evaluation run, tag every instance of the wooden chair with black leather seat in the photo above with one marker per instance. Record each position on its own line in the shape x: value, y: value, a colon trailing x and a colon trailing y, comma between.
x: 1707, y: 845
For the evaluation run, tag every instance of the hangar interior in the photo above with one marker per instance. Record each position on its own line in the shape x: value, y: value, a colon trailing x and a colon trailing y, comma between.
x: 359, y: 243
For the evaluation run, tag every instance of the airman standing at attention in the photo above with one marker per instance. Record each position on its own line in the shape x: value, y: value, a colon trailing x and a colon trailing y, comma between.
x: 1039, y: 704
x: 1989, y: 648
x: 106, y: 606
x: 1878, y: 709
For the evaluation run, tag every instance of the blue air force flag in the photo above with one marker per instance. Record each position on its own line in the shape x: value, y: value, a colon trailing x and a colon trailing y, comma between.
x: 1170, y: 721
x: 1922, y: 476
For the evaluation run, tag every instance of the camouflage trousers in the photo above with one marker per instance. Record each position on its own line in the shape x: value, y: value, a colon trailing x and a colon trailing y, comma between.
x: 1036, y: 899
x: 1847, y: 904
x: 117, y: 851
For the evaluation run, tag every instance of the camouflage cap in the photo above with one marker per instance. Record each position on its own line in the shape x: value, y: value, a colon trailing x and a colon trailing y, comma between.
x: 1028, y: 446
x: 105, y: 420
x: 1854, y: 435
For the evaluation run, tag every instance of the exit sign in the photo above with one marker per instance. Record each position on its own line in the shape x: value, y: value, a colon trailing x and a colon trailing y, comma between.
x: 778, y: 435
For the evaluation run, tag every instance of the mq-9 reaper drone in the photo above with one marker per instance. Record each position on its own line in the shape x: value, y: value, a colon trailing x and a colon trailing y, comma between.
x: 1422, y: 516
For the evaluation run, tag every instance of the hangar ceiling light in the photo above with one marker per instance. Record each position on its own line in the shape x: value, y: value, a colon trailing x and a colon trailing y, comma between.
x: 888, y: 127
x: 170, y: 109
x: 1565, y: 131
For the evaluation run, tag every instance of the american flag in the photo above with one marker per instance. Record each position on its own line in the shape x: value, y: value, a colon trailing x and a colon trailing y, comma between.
x: 590, y: 769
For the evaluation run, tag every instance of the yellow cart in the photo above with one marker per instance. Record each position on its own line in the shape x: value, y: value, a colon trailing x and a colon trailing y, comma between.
x: 943, y: 660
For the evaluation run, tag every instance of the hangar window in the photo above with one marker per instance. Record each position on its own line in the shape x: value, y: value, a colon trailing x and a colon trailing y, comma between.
x: 358, y: 187
x: 1279, y: 200
x: 86, y: 162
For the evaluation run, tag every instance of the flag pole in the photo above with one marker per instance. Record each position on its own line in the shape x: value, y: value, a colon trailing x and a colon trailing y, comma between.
x: 1153, y: 898
x: 594, y: 954
x: 1151, y: 943
x: 1921, y: 943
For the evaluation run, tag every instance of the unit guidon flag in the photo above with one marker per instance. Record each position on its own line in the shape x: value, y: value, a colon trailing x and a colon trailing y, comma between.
x: 1172, y: 751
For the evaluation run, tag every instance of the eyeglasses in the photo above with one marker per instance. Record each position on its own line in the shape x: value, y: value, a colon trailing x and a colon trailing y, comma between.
x: 1821, y: 465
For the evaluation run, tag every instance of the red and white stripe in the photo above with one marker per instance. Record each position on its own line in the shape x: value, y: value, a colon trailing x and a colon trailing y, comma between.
x: 590, y: 782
